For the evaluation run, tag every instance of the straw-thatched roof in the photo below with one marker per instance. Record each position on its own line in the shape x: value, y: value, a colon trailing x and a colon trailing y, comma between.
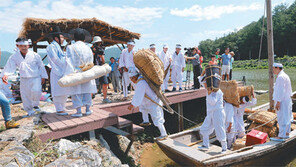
x: 37, y: 29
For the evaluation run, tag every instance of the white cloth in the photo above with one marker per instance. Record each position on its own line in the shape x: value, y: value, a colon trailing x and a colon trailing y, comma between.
x: 146, y: 106
x: 81, y: 100
x: 239, y: 117
x: 165, y: 58
x: 178, y: 62
x: 85, y: 55
x: 126, y: 59
x: 229, y: 111
x: 282, y: 93
x: 57, y: 60
x: 125, y: 83
x: 215, y: 119
x: 29, y: 67
x: 60, y: 102
x: 225, y: 69
x: 30, y: 92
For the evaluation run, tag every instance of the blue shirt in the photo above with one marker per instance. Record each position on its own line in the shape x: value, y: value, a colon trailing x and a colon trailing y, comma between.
x: 232, y: 59
x: 226, y: 59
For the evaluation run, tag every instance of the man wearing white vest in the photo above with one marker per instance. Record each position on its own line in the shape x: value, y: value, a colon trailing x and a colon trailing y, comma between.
x: 32, y: 74
x: 283, y: 102
x: 166, y: 59
x: 126, y: 62
x: 178, y: 65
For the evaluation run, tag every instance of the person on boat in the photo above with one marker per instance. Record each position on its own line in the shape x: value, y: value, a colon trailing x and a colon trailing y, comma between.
x: 213, y: 60
x: 57, y: 60
x: 146, y: 106
x: 79, y: 55
x: 239, y: 114
x: 215, y: 119
x: 166, y: 59
x: 226, y: 58
x: 283, y: 102
x: 126, y: 61
x: 32, y: 75
x: 229, y: 123
x: 178, y: 65
x: 152, y: 47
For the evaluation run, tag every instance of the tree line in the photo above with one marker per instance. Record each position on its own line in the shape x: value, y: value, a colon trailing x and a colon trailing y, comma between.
x: 246, y: 42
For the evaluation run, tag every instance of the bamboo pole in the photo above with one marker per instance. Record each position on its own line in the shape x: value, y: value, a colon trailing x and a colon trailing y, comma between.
x: 270, y: 52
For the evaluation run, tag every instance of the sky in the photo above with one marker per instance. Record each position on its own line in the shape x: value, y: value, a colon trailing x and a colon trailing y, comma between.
x: 185, y: 22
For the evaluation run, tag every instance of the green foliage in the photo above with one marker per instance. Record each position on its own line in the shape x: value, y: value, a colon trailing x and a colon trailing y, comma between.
x: 246, y: 42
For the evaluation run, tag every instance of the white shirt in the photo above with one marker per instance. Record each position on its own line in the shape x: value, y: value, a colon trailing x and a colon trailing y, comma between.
x: 56, y: 58
x: 229, y: 111
x: 214, y: 101
x: 126, y: 59
x: 178, y: 60
x: 29, y: 67
x: 282, y: 87
x: 165, y: 58
x: 242, y: 107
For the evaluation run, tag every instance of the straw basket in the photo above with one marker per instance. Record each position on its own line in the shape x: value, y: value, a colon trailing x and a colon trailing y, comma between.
x: 230, y: 93
x: 246, y: 91
x: 271, y: 131
x: 149, y: 64
x: 262, y: 117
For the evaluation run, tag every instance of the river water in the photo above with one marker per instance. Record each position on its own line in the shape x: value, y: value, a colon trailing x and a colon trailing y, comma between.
x: 257, y: 78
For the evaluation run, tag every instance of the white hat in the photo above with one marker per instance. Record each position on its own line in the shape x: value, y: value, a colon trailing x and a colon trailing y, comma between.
x: 165, y: 46
x: 278, y: 65
x: 96, y: 39
x: 152, y: 46
x: 178, y: 46
x: 131, y: 43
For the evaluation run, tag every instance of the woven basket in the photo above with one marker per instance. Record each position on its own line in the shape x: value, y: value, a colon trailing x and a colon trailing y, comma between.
x: 239, y: 143
x: 262, y: 117
x: 230, y: 93
x: 245, y: 91
x: 271, y: 131
x: 150, y: 65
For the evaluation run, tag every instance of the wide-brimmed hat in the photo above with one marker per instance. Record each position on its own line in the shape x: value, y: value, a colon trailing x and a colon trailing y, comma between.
x: 96, y: 39
x: 80, y: 31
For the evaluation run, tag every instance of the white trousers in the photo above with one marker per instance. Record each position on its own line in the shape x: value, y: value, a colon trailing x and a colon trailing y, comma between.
x: 125, y: 83
x: 177, y: 76
x: 214, y: 121
x: 30, y: 89
x: 60, y: 103
x: 284, y: 118
x: 156, y: 114
x: 81, y: 100
x: 230, y: 136
x: 165, y: 84
x: 239, y: 124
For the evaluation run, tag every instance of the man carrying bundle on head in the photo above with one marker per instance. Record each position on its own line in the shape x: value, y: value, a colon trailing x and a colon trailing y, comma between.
x: 283, y: 102
x: 215, y: 119
x: 32, y: 74
x: 81, y: 56
x: 229, y: 124
x: 239, y: 114
x: 166, y: 59
x: 142, y: 99
x: 178, y: 65
x: 125, y: 63
x: 58, y: 63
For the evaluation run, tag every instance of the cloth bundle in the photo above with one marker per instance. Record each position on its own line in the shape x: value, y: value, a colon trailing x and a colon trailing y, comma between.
x: 85, y: 76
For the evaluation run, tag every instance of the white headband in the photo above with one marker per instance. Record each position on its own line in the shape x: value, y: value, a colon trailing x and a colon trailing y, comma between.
x: 152, y: 46
x: 131, y: 43
x: 178, y: 46
x: 165, y: 46
x: 277, y: 65
x: 23, y: 43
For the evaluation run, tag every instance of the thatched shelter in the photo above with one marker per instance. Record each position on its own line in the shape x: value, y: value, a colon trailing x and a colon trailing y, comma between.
x: 37, y: 29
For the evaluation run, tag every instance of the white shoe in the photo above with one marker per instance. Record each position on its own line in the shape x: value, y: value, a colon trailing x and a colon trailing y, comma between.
x: 88, y: 112
x: 61, y: 113
x: 77, y: 115
x: 223, y: 151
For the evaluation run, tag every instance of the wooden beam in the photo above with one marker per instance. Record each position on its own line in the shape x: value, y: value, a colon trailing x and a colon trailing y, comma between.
x: 114, y: 41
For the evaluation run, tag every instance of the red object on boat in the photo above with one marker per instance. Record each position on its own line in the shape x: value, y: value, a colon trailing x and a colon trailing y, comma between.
x: 256, y: 137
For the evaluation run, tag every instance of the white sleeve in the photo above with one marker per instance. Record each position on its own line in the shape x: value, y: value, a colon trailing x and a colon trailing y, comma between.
x: 57, y: 63
x: 230, y: 112
x: 277, y: 92
x: 10, y: 67
x: 212, y: 98
x: 252, y: 102
x: 121, y: 62
x: 183, y: 61
x: 139, y: 94
x: 41, y: 67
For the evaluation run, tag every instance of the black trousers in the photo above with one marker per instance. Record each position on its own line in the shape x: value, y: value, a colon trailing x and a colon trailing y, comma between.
x: 196, y: 74
x: 230, y: 74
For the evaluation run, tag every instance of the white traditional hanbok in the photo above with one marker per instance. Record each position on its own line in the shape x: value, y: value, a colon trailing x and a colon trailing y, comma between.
x: 79, y: 53
x: 229, y: 111
x: 178, y: 62
x: 282, y: 93
x: 165, y: 58
x: 31, y: 70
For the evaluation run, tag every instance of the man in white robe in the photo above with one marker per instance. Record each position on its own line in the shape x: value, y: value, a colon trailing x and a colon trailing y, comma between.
x: 57, y: 61
x: 229, y: 123
x: 215, y: 120
x: 32, y: 74
x: 283, y: 103
x: 239, y: 114
x: 80, y: 53
x: 126, y: 62
x: 146, y: 106
x: 178, y: 65
x: 166, y: 60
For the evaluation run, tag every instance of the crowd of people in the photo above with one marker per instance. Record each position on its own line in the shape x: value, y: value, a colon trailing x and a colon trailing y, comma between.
x: 222, y: 117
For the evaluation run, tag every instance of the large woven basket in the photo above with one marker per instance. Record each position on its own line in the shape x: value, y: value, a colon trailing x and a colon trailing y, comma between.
x: 150, y: 65
x: 245, y: 91
x: 262, y: 117
x: 271, y: 131
x: 230, y: 93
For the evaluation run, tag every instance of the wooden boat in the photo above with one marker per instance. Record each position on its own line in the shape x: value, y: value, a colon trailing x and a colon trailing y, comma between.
x: 183, y: 148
